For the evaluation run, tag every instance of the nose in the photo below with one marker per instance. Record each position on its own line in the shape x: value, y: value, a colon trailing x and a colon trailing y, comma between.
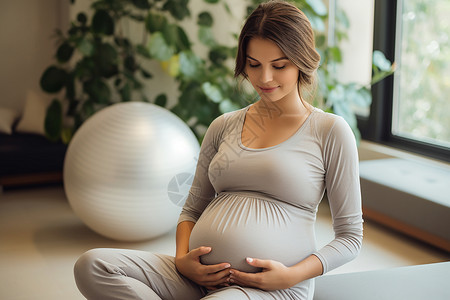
x: 266, y: 75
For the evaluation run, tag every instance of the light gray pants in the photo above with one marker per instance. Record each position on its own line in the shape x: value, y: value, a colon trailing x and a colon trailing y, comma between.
x: 131, y: 274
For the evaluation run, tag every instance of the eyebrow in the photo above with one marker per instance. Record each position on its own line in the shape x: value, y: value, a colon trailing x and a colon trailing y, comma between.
x: 281, y: 58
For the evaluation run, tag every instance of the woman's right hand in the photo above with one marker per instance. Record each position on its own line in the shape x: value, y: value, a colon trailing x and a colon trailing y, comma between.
x: 209, y: 276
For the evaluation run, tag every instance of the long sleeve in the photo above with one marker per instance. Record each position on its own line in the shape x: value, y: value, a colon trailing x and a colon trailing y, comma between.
x: 344, y: 196
x: 202, y: 191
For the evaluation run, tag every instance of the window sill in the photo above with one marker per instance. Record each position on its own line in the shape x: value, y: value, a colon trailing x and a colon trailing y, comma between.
x: 406, y: 192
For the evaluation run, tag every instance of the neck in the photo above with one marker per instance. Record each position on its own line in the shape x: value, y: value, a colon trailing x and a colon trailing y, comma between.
x: 283, y: 107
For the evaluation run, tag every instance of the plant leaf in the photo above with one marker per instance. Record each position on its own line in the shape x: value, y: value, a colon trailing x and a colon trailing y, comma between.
x: 98, y: 91
x: 335, y: 54
x: 130, y: 63
x: 227, y: 105
x: 183, y: 42
x: 70, y: 86
x: 81, y: 17
x: 88, y: 108
x: 64, y: 52
x: 142, y: 4
x: 161, y: 100
x: 86, y: 47
x: 142, y: 50
x: 145, y: 73
x: 66, y: 135
x: 205, y: 19
x: 53, y: 120
x: 190, y: 64
x: 155, y: 22
x: 177, y: 8
x: 212, y: 91
x: 172, y: 66
x: 360, y: 97
x: 158, y: 47
x: 53, y: 79
x: 381, y: 61
x: 316, y: 22
x: 125, y: 92
x: 337, y: 94
x: 102, y: 23
x: 218, y: 55
x: 343, y: 109
x: 106, y: 60
x: 206, y: 36
x: 318, y: 7
x: 170, y: 34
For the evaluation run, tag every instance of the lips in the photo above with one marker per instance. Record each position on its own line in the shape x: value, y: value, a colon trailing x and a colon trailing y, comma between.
x: 268, y: 89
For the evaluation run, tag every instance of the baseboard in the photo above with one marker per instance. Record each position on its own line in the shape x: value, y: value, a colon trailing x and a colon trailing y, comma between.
x: 407, y: 229
x: 31, y: 179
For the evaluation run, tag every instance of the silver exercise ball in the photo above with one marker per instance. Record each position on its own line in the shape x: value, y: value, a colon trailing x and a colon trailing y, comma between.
x: 128, y: 170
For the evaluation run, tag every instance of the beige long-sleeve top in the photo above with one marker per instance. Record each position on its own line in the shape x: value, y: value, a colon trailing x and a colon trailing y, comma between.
x: 262, y: 202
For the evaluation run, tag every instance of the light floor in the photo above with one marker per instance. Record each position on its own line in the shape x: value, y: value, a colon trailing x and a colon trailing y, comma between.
x: 40, y: 240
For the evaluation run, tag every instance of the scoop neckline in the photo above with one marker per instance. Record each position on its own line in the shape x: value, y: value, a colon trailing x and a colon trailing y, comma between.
x: 241, y: 127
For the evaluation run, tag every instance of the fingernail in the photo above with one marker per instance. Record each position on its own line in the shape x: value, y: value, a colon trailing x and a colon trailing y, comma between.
x: 231, y: 272
x: 227, y: 266
x: 249, y: 259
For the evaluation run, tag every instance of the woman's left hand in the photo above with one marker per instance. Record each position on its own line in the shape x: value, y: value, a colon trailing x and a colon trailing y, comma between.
x: 274, y: 275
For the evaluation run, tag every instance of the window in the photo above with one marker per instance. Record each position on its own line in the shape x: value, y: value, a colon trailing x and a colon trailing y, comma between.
x: 411, y: 110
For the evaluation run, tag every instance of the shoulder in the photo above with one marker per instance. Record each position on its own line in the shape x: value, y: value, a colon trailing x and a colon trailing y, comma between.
x: 332, y: 132
x: 225, y: 123
x: 327, y: 125
x: 227, y: 119
x: 327, y: 121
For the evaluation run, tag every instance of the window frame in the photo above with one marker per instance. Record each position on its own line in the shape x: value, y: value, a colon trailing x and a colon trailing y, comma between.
x: 377, y: 126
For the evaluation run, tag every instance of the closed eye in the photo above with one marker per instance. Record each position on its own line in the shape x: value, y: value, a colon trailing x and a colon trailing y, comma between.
x: 257, y: 65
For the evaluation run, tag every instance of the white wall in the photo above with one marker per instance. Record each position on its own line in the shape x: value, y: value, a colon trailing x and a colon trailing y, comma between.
x: 26, y: 47
x: 357, y: 50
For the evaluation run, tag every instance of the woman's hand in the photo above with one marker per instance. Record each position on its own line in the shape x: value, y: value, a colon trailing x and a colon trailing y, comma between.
x: 274, y: 276
x: 209, y: 276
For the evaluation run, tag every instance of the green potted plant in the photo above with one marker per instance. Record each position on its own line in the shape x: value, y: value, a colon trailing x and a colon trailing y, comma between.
x: 98, y: 65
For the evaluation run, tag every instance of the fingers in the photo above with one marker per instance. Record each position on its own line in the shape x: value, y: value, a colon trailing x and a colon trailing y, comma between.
x: 217, y: 278
x: 261, y: 263
x: 216, y: 268
x: 197, y: 252
x: 243, y: 276
x: 245, y: 279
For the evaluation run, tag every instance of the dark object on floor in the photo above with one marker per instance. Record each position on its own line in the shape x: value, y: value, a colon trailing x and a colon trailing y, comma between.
x: 30, y: 159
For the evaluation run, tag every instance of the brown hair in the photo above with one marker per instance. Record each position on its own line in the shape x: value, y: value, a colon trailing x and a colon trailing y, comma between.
x: 289, y: 28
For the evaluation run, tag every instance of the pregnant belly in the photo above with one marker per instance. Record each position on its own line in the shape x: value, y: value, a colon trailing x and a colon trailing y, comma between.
x: 236, y: 226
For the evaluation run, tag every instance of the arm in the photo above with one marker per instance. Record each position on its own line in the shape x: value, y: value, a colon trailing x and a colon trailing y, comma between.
x: 344, y: 197
x: 182, y: 238
x: 201, y: 193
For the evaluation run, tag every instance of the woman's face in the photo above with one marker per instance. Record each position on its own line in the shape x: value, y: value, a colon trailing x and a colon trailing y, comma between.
x: 270, y: 72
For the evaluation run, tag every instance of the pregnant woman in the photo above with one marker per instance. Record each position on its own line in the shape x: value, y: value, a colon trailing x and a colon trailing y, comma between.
x: 247, y: 228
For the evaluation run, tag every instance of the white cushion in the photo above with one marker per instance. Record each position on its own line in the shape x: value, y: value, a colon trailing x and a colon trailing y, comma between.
x: 7, y: 118
x: 33, y: 117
